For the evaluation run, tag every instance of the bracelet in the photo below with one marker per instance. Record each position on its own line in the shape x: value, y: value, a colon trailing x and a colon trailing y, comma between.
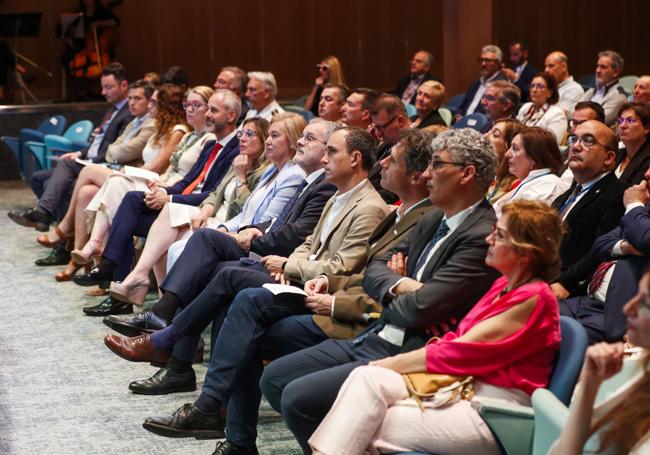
x: 239, y: 183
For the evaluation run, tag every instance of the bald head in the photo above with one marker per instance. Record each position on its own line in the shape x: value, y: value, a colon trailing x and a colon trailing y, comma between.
x: 589, y: 161
x: 641, y: 91
x: 557, y: 64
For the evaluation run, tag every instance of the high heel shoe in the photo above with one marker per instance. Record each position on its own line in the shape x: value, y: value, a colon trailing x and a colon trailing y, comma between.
x: 80, y: 257
x: 134, y: 294
x: 70, y: 270
x: 44, y: 239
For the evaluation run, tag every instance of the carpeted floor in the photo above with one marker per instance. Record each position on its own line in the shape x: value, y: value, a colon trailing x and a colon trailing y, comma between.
x: 61, y: 390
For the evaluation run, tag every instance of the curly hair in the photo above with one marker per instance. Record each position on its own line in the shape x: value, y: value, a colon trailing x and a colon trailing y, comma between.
x: 535, y: 230
x: 170, y: 112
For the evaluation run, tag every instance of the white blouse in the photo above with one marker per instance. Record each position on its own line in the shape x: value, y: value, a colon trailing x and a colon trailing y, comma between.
x: 540, y: 185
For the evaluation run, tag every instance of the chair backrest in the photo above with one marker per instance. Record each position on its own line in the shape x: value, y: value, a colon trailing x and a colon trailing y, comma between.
x: 446, y: 115
x: 569, y: 360
x: 454, y: 103
x: 476, y: 121
x: 79, y: 131
x: 307, y: 115
x: 588, y: 81
x: 53, y: 125
x: 627, y: 82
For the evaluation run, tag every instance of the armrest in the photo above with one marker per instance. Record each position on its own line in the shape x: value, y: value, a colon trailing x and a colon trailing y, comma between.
x: 550, y: 417
x: 58, y: 142
x: 511, y: 424
x: 29, y: 134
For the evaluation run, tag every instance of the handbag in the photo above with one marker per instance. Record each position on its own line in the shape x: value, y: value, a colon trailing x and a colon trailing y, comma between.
x: 438, y: 389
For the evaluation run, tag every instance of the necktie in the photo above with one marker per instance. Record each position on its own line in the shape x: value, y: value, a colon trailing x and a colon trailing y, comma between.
x: 572, y: 197
x: 597, y: 278
x: 442, y: 230
x: 199, y: 179
x: 284, y: 214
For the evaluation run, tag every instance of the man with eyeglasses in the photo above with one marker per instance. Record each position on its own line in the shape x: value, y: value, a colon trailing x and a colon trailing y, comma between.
x: 608, y: 91
x: 435, y: 275
x: 419, y: 71
x: 591, y: 207
x: 623, y: 254
x: 332, y: 98
x: 500, y: 101
x: 491, y: 64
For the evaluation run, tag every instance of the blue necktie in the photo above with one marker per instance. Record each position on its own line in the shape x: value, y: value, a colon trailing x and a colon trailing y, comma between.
x: 284, y: 214
x: 442, y: 230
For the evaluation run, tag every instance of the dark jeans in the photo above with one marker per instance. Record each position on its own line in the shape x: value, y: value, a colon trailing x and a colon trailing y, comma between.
x: 303, y: 386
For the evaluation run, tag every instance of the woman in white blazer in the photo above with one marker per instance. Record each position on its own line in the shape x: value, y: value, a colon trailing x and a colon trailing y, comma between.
x: 542, y: 109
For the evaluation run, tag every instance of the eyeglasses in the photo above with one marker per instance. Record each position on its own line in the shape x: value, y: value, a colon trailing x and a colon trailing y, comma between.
x: 195, y: 106
x: 385, y: 125
x: 498, y: 234
x: 249, y: 134
x: 437, y: 164
x: 322, y: 66
x: 587, y: 140
x: 487, y: 60
x: 537, y: 86
x: 311, y: 138
x: 629, y: 121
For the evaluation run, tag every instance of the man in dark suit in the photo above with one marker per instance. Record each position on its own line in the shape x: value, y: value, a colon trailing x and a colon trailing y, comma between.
x: 57, y: 184
x: 591, y: 207
x: 233, y: 377
x: 138, y: 211
x: 491, y: 64
x: 434, y: 276
x: 419, y: 71
x: 624, y: 254
x: 521, y: 72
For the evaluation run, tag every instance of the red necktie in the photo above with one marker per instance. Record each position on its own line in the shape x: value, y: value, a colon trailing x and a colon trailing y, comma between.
x: 199, y: 179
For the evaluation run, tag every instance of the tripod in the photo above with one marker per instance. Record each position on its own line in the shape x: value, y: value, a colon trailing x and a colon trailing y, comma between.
x: 20, y: 81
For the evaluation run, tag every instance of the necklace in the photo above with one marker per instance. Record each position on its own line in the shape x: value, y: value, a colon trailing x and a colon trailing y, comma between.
x: 506, y: 290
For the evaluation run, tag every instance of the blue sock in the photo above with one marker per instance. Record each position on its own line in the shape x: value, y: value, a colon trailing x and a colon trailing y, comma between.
x: 166, y: 338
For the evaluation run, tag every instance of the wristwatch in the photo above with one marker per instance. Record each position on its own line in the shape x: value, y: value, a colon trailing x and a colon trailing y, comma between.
x: 240, y: 183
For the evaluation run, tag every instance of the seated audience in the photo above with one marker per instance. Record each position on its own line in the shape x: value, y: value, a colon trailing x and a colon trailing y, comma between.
x: 432, y: 278
x: 608, y: 91
x: 419, y: 71
x: 521, y: 71
x: 277, y: 185
x: 127, y: 149
x: 490, y: 60
x: 641, y: 93
x: 623, y: 256
x: 542, y: 110
x: 634, y: 132
x: 500, y: 136
x: 429, y: 97
x: 557, y: 65
x: 261, y: 91
x: 138, y: 210
x: 534, y: 157
x: 330, y: 71
x: 53, y: 187
x: 507, y: 343
x: 332, y: 99
x: 591, y: 207
x: 500, y: 101
x: 622, y: 420
x: 356, y: 111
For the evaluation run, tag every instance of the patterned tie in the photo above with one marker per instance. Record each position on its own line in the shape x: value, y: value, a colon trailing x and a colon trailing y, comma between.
x: 284, y: 214
x: 572, y: 197
x: 442, y: 230
x: 215, y: 151
x: 597, y: 278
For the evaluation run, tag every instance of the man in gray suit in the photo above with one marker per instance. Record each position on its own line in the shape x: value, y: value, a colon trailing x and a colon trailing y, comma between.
x: 430, y: 279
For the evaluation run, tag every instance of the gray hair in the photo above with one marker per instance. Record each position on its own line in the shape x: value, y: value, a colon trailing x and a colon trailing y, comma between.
x: 493, y: 49
x: 329, y: 126
x: 617, y: 59
x: 469, y: 147
x: 429, y: 55
x: 230, y: 101
x: 267, y: 78
x: 507, y: 92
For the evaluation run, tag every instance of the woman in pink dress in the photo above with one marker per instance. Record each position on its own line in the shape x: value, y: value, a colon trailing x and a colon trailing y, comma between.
x: 507, y: 343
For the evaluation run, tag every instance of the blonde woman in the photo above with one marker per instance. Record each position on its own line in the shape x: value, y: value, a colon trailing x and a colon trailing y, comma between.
x: 329, y: 71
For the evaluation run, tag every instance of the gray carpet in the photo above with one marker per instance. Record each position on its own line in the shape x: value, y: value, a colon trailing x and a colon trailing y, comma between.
x: 61, y: 390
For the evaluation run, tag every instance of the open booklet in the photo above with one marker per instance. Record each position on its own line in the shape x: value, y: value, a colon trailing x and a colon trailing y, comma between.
x: 140, y: 173
x: 283, y: 289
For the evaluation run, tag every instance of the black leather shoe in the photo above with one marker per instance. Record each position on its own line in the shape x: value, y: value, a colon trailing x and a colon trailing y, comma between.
x: 228, y: 448
x: 187, y: 422
x: 109, y: 306
x: 135, y: 324
x: 165, y: 381
x: 94, y: 278
x: 59, y: 255
x: 37, y: 219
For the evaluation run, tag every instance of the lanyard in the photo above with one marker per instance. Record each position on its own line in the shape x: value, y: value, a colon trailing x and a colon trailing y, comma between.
x: 528, y: 181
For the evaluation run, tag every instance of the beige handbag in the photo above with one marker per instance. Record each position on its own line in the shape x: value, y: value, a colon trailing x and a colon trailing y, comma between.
x: 438, y: 389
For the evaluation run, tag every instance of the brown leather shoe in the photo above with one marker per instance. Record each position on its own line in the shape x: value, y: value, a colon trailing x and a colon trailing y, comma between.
x: 136, y: 349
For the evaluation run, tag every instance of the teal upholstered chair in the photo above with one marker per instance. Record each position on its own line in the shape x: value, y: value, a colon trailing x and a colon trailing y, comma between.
x: 75, y: 138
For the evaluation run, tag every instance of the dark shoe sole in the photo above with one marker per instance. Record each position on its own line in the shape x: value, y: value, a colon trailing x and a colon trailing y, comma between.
x: 80, y: 281
x: 21, y: 220
x: 124, y: 329
x: 170, y: 432
x: 126, y: 309
x: 154, y: 391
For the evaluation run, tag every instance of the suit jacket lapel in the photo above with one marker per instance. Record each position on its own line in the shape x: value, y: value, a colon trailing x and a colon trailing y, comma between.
x: 422, y: 242
x: 593, y: 193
